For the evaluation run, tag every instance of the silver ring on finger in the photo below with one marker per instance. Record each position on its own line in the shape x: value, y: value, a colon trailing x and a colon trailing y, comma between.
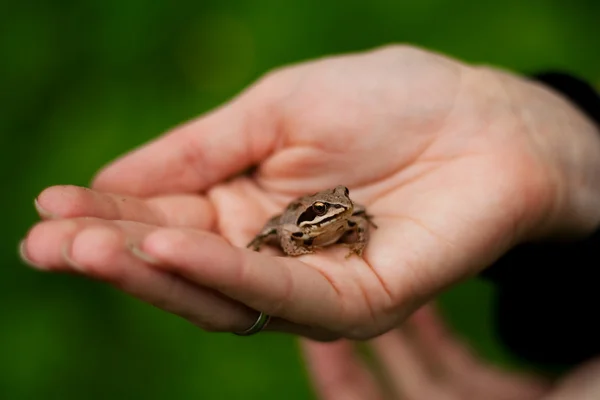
x: 261, y: 323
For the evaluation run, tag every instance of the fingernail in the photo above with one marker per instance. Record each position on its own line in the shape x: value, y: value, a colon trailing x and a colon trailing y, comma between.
x: 142, y: 255
x: 25, y: 258
x: 42, y: 211
x: 64, y: 251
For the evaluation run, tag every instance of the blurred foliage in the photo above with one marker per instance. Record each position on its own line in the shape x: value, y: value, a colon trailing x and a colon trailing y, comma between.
x: 82, y: 82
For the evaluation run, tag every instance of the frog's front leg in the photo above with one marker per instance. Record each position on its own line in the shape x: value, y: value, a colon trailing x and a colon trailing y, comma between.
x: 268, y: 234
x: 357, y: 234
x: 293, y: 244
x: 361, y: 212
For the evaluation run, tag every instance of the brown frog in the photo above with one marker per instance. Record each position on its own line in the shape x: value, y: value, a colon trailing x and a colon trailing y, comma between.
x: 318, y: 220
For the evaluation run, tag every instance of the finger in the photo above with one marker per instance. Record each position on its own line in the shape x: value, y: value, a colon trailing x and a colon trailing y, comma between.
x: 197, y: 154
x: 279, y: 286
x: 462, y: 369
x: 171, y: 210
x: 337, y: 373
x: 409, y: 376
x: 438, y: 345
x: 99, y: 249
x: 102, y: 250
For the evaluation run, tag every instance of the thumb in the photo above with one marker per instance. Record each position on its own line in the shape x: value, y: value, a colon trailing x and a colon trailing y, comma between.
x: 195, y: 155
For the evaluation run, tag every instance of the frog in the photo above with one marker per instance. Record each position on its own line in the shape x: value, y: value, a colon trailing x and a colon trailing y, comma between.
x: 316, y: 221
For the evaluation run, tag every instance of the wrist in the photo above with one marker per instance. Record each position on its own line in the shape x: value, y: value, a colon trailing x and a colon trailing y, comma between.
x: 575, y: 142
x: 545, y: 292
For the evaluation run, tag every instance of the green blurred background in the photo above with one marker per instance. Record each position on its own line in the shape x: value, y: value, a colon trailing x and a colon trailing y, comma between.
x: 82, y: 82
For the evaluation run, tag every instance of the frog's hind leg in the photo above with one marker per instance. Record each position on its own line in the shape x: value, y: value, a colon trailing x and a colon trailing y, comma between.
x: 268, y: 235
x: 361, y: 213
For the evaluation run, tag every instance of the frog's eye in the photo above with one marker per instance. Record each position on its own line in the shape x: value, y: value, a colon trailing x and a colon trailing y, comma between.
x: 319, y: 208
x: 346, y: 191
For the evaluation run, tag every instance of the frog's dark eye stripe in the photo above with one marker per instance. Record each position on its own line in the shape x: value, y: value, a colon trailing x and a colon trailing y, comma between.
x: 308, y: 215
x: 311, y: 216
x: 346, y: 191
x: 297, y: 234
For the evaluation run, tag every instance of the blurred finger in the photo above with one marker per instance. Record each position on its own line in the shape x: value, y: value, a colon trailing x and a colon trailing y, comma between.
x: 195, y: 155
x: 461, y: 368
x: 337, y: 373
x: 582, y: 384
x: 174, y: 210
x: 406, y: 370
x: 102, y: 250
x: 438, y: 345
x: 279, y: 286
x: 99, y: 249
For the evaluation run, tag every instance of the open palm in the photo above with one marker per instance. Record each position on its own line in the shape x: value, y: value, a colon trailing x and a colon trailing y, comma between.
x: 451, y: 173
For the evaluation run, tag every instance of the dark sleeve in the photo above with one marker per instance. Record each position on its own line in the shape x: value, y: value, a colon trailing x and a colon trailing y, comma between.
x: 547, y: 305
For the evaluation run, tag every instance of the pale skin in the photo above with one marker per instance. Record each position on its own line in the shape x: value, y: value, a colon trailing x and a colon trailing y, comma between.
x: 456, y: 163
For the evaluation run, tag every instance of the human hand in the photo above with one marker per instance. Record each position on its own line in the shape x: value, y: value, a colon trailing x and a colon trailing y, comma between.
x: 424, y: 360
x: 456, y: 164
